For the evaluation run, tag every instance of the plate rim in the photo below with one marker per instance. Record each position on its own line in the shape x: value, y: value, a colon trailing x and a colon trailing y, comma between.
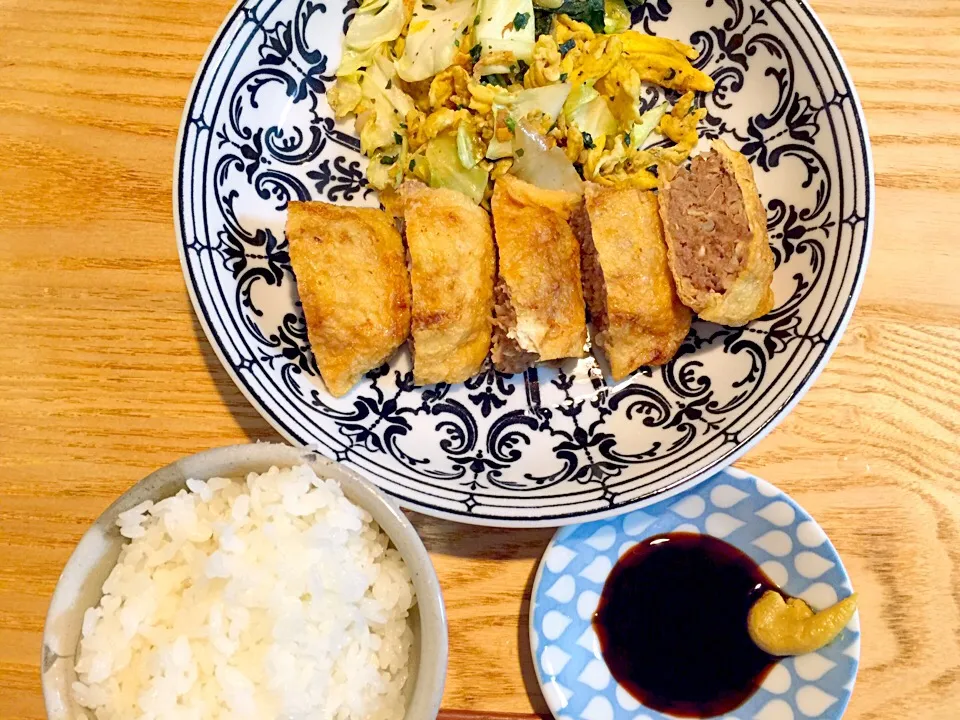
x: 735, y: 473
x: 559, y: 519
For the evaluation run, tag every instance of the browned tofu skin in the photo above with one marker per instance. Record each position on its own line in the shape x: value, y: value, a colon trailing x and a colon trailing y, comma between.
x: 539, y: 304
x: 637, y: 316
x: 352, y: 279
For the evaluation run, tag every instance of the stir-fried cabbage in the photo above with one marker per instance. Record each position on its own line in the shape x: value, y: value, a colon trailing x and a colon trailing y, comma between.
x: 616, y: 16
x: 541, y: 165
x: 434, y: 37
x: 468, y: 146
x: 649, y: 122
x: 547, y: 101
x: 505, y: 27
x: 588, y: 111
x: 387, y: 106
x: 376, y: 22
x: 447, y: 171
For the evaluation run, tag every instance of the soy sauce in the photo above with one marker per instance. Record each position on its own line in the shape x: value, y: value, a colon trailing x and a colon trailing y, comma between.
x: 672, y: 624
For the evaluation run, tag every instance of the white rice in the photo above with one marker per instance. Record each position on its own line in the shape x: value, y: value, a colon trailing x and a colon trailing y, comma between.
x: 273, y: 598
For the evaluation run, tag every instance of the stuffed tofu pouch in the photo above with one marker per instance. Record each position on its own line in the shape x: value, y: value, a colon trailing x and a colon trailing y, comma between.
x: 352, y: 279
x: 450, y: 244
x: 539, y: 305
x: 637, y: 317
x: 716, y: 230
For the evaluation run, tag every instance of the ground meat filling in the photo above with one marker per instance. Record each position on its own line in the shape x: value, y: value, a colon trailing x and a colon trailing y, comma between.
x: 508, y: 356
x: 594, y: 286
x: 708, y: 223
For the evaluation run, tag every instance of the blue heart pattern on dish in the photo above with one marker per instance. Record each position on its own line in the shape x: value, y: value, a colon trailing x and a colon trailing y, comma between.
x: 741, y: 509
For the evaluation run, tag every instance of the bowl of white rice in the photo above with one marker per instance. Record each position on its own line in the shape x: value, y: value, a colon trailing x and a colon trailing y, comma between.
x: 254, y: 581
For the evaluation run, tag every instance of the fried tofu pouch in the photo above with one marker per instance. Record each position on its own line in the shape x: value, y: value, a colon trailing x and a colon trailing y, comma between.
x: 539, y: 311
x: 716, y: 230
x: 352, y: 278
x: 450, y: 243
x: 626, y: 279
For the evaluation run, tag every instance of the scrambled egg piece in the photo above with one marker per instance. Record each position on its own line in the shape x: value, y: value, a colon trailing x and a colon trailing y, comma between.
x: 546, y: 63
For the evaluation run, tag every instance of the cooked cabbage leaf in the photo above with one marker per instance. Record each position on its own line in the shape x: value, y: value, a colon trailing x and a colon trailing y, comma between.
x: 541, y: 165
x: 505, y: 26
x: 616, y: 16
x: 447, y: 171
x: 376, y: 22
x: 588, y: 111
x: 387, y: 105
x: 547, y: 100
x: 649, y: 122
x: 433, y: 38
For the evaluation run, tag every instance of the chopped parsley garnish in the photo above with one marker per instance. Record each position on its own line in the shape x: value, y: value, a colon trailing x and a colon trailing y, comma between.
x: 626, y: 139
x: 476, y: 20
x: 519, y: 152
x: 389, y: 83
x: 511, y: 124
x: 563, y: 77
x: 588, y: 141
x: 520, y: 20
x: 456, y: 43
x: 567, y: 46
x: 388, y: 159
x: 493, y: 80
x: 522, y: 68
x: 397, y: 138
x: 403, y: 125
x: 475, y: 52
x: 466, y: 30
x: 427, y: 6
x: 412, y: 163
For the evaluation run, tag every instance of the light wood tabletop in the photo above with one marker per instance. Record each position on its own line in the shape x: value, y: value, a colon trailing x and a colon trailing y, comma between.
x: 105, y: 374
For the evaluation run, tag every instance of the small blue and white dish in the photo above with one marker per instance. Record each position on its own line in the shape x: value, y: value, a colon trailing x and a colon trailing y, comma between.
x: 744, y: 511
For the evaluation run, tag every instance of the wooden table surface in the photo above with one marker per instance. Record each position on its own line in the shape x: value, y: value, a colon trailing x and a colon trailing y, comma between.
x: 105, y: 374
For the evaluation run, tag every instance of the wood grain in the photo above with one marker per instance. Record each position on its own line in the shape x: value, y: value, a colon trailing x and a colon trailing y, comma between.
x: 105, y: 375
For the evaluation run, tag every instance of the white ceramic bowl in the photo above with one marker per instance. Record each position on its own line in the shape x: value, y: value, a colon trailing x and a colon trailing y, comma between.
x: 79, y: 587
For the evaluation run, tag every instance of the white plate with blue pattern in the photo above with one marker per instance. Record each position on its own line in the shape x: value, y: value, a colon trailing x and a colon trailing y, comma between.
x: 745, y: 511
x: 554, y: 445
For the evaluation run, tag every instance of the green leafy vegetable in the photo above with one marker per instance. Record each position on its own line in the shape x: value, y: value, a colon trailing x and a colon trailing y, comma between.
x: 649, y: 122
x: 468, y: 147
x: 567, y: 46
x: 616, y: 16
x: 376, y: 22
x: 388, y: 159
x: 447, y: 171
x: 588, y: 143
x: 504, y: 27
x: 590, y: 12
x: 430, y: 41
x: 589, y: 112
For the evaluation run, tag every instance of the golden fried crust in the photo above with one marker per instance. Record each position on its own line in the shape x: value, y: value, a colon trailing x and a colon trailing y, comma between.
x: 750, y: 296
x: 539, y: 260
x: 451, y: 273
x: 646, y: 322
x: 352, y: 278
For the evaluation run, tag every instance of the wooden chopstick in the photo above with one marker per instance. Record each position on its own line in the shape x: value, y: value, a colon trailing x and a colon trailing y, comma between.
x: 484, y: 715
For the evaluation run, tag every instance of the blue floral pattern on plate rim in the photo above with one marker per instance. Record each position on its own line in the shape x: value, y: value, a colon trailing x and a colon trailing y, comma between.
x: 743, y: 510
x: 556, y: 444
